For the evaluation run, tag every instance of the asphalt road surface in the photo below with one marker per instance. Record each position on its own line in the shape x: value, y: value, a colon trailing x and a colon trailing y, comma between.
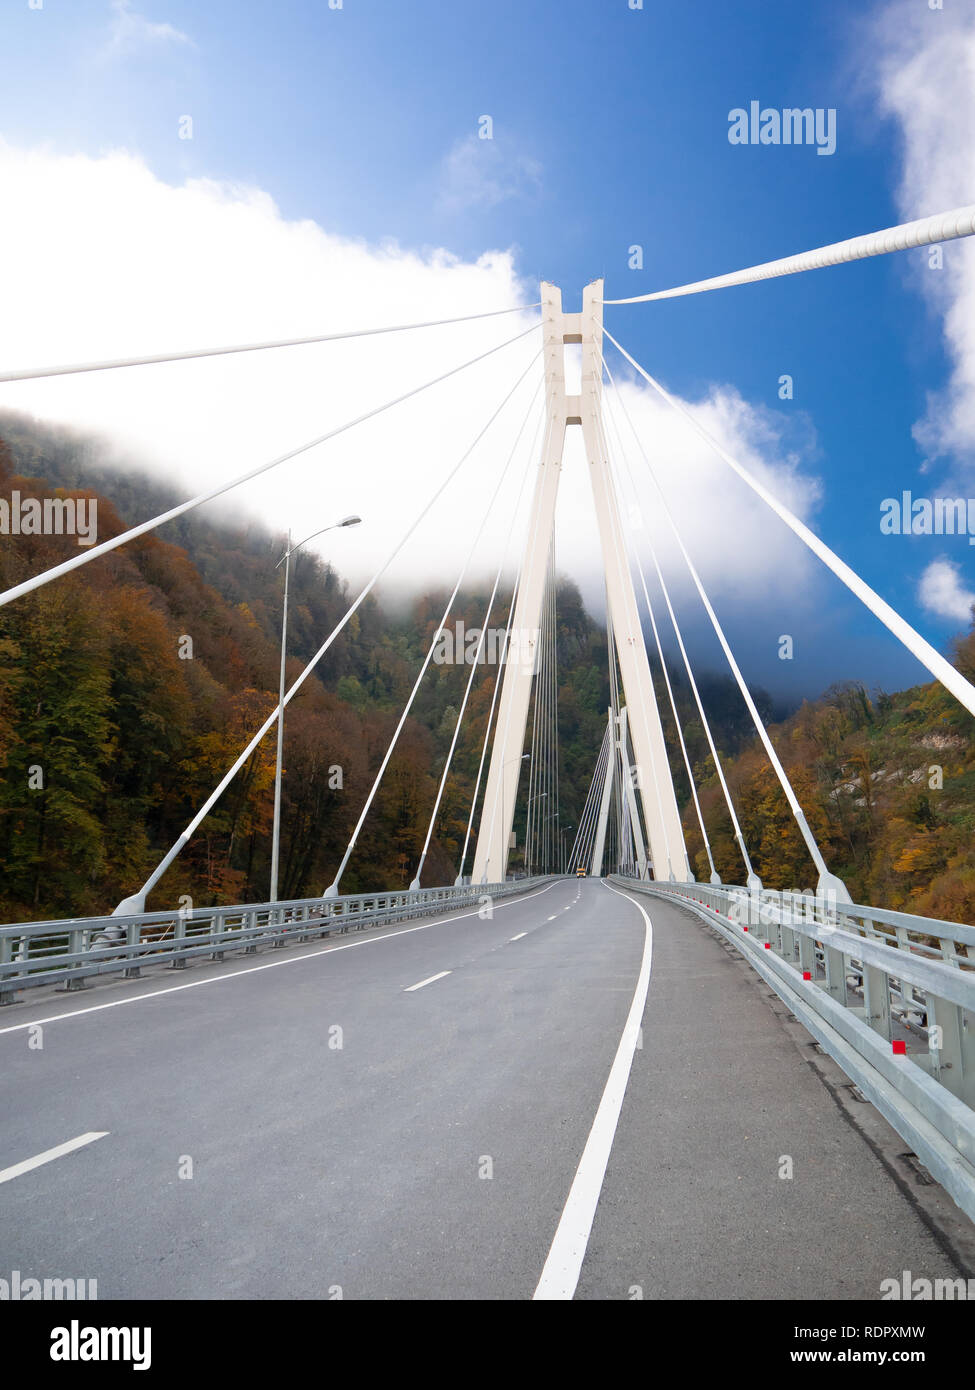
x: 402, y: 1114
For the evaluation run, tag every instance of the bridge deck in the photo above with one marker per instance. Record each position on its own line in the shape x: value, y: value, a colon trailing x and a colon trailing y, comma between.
x: 365, y: 1166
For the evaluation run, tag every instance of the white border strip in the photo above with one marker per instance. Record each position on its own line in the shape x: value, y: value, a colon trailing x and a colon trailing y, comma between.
x: 561, y: 1273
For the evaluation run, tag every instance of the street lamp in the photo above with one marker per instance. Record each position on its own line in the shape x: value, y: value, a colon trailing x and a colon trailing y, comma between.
x: 552, y: 815
x: 539, y: 796
x: 286, y: 561
x: 564, y: 831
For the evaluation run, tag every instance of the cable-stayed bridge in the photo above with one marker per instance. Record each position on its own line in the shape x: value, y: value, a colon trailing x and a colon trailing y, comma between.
x: 600, y: 1077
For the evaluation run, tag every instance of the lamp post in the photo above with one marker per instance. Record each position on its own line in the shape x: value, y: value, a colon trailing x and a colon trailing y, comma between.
x: 539, y: 796
x: 286, y: 561
x: 564, y: 831
x: 552, y: 815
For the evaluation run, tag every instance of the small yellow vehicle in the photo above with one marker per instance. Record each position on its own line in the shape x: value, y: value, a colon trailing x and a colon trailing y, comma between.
x: 581, y: 871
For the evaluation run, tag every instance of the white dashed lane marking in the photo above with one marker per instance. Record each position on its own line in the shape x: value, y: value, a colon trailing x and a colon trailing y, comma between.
x: 428, y: 981
x: 50, y: 1154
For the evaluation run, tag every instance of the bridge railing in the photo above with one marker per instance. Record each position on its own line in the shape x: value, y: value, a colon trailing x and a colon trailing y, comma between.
x: 71, y: 952
x: 855, y: 976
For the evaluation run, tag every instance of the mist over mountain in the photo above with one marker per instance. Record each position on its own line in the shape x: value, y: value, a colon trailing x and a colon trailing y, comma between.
x: 130, y: 735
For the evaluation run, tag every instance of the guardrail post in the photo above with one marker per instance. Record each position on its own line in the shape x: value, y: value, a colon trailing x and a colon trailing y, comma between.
x: 876, y: 999
x: 276, y: 920
x: 951, y: 1047
x: 179, y: 936
x: 907, y: 990
x: 133, y: 935
x: 787, y: 943
x: 776, y: 934
x: 249, y: 925
x: 760, y: 920
x: 8, y: 986
x: 216, y: 927
x: 76, y: 945
x: 835, y: 982
x: 807, y: 954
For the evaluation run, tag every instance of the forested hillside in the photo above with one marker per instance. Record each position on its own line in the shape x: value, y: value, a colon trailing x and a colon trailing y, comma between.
x: 129, y: 736
x: 888, y: 785
x: 114, y: 730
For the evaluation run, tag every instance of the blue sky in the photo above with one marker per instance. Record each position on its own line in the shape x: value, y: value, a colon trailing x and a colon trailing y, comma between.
x: 610, y: 129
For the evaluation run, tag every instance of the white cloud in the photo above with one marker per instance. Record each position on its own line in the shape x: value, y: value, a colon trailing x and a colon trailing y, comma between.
x: 737, y: 544
x: 483, y: 173
x: 130, y: 31
x: 926, y: 78
x: 106, y: 260
x: 940, y: 592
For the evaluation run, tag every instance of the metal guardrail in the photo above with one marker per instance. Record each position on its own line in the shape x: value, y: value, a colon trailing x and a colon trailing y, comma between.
x: 850, y: 973
x: 71, y: 952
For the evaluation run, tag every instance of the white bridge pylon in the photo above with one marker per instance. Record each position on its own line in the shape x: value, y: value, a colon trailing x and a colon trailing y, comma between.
x: 651, y: 770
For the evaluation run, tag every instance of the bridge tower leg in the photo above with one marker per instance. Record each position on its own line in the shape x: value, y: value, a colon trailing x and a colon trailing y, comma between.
x: 654, y: 781
x: 497, y: 814
x: 630, y: 793
x: 599, y: 842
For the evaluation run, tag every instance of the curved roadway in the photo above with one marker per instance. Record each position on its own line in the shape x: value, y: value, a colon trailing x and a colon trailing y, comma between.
x: 402, y: 1115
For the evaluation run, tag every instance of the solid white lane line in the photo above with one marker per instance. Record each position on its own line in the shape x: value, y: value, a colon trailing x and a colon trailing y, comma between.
x: 50, y: 1154
x: 518, y: 937
x: 253, y: 969
x: 561, y: 1272
x: 428, y: 981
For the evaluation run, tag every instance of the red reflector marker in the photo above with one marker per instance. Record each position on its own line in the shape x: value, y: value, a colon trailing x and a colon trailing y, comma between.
x: 768, y: 945
x: 806, y: 975
x: 900, y: 1048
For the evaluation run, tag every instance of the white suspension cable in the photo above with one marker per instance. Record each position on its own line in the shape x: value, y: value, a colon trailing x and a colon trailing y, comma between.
x: 541, y: 751
x: 586, y: 820
x: 555, y: 845
x: 943, y: 226
x: 663, y: 663
x: 941, y: 669
x: 602, y: 768
x: 591, y: 825
x: 622, y: 563
x: 499, y: 787
x: 536, y: 764
x: 826, y: 878
x: 32, y: 373
x: 621, y: 770
x: 553, y: 816
x: 85, y: 556
x: 136, y: 903
x: 627, y: 855
x: 480, y: 645
x: 615, y: 702
x: 542, y: 697
x: 497, y: 688
x: 487, y: 730
x: 549, y: 826
x: 543, y: 813
x: 333, y: 888
x: 752, y: 878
